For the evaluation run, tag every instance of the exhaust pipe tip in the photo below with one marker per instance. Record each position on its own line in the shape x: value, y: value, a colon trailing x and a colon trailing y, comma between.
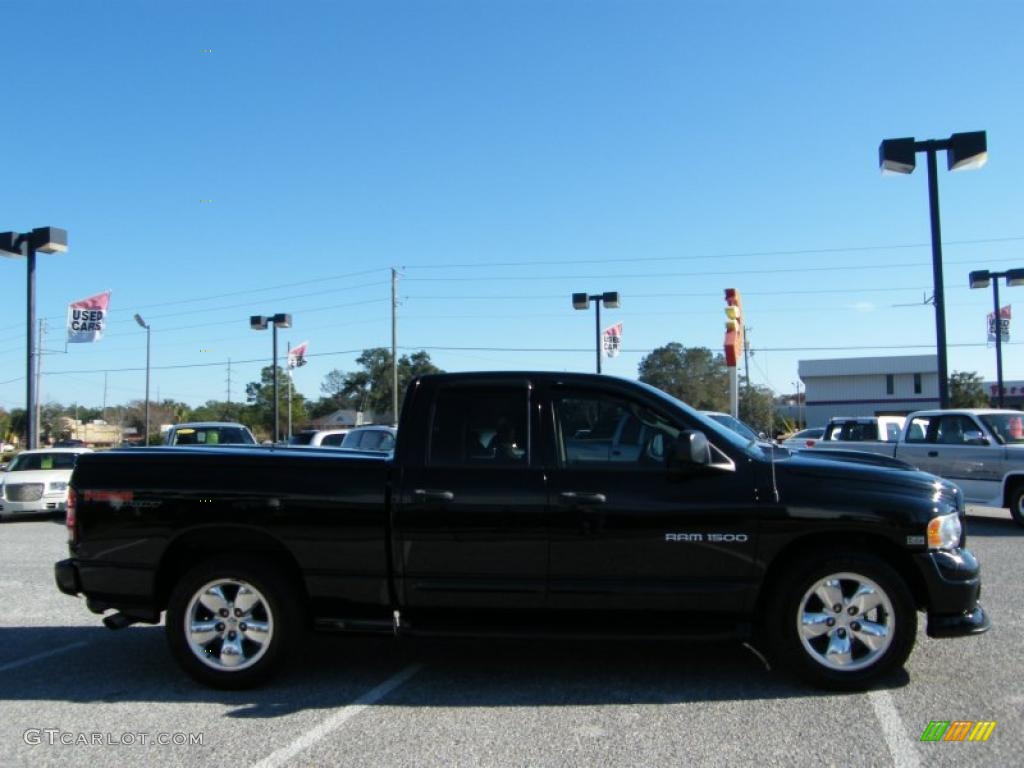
x: 117, y: 621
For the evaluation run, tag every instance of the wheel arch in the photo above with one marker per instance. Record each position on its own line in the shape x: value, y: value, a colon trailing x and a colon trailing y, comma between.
x: 1011, y: 482
x: 816, y: 545
x: 203, y: 543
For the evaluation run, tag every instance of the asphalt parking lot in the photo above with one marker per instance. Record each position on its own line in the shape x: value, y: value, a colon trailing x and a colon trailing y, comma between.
x: 113, y: 695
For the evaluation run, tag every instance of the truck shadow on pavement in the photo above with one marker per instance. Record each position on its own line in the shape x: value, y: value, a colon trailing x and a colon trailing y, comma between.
x: 134, y: 665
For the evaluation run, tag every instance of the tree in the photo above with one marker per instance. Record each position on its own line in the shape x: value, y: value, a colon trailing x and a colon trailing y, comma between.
x: 260, y: 395
x: 219, y: 410
x: 697, y: 376
x: 370, y: 389
x: 757, y: 408
x: 966, y: 390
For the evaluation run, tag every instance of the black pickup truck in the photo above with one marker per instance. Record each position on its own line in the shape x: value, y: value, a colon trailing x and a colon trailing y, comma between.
x: 524, y: 503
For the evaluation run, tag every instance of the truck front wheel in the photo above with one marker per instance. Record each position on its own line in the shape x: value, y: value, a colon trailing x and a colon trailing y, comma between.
x: 843, y: 621
x: 1017, y: 504
x: 228, y: 623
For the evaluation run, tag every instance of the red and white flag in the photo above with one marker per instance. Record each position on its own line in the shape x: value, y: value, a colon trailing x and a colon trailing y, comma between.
x: 87, y: 318
x: 1005, y: 315
x: 297, y: 355
x: 611, y: 340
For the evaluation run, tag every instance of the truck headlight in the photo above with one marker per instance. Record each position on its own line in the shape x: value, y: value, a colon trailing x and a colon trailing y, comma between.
x: 944, y: 532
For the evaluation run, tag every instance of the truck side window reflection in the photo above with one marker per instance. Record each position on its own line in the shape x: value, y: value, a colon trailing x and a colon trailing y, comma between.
x: 480, y: 426
x: 595, y: 430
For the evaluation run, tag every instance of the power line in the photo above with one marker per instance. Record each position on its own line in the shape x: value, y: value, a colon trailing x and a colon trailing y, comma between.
x: 728, y: 273
x: 741, y: 255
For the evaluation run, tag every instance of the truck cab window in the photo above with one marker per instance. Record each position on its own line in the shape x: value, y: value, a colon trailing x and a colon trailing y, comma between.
x: 486, y: 425
x: 596, y: 430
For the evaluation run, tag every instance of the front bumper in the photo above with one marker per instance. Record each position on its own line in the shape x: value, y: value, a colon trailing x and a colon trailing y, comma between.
x: 974, y: 622
x: 953, y: 584
x: 43, y: 506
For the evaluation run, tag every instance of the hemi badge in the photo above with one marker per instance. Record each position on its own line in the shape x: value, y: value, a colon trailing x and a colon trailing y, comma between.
x: 915, y: 541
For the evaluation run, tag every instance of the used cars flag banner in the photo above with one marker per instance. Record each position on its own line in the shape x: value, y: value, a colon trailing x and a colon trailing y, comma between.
x: 611, y: 340
x: 88, y: 317
x: 297, y: 355
x: 1005, y: 315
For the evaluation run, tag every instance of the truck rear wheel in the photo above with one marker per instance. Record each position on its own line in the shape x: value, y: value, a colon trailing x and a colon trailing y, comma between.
x: 1017, y: 504
x: 841, y: 622
x: 229, y: 623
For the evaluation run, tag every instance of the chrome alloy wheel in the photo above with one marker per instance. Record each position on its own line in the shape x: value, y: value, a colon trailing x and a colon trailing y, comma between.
x: 228, y: 624
x: 845, y: 622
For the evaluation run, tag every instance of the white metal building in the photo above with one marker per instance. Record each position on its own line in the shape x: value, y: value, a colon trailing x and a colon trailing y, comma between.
x: 868, y: 386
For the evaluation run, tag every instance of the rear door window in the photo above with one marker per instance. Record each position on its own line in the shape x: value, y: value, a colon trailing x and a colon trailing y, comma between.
x: 486, y: 425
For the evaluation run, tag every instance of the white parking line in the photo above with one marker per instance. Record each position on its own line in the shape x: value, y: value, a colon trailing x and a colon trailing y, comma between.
x: 900, y: 746
x: 335, y: 721
x: 43, y: 655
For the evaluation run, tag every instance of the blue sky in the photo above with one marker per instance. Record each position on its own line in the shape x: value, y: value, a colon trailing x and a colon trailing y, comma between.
x: 501, y: 155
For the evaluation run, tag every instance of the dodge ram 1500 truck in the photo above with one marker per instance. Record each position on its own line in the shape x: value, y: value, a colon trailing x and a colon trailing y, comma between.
x: 555, y: 503
x: 979, y: 449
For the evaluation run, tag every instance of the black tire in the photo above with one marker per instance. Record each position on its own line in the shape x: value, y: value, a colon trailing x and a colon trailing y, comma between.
x: 1017, y: 504
x: 802, y: 638
x: 233, y: 658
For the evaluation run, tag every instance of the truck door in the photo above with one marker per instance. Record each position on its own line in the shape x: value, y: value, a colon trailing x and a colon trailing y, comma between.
x: 955, y: 447
x: 628, y: 533
x: 470, y: 517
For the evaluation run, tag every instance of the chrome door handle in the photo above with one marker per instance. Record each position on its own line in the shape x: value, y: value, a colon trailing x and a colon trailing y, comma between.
x: 424, y: 494
x: 582, y: 497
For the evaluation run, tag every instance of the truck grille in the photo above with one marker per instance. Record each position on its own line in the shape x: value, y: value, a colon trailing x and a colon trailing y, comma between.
x: 24, y: 492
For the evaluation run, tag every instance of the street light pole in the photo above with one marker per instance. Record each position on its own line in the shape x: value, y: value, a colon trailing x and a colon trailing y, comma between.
x: 939, y: 291
x: 260, y: 323
x: 963, y: 151
x: 140, y: 321
x: 24, y: 245
x: 980, y: 279
x: 582, y: 301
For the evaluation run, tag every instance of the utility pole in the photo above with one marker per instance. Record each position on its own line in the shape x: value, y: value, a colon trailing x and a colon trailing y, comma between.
x: 229, y: 379
x: 394, y: 345
x: 746, y: 360
x: 104, y: 394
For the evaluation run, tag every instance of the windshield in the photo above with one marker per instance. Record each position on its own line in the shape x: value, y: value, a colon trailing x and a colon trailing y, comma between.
x: 212, y: 436
x: 303, y: 438
x: 711, y: 427
x: 734, y: 424
x: 1007, y: 427
x: 34, y: 461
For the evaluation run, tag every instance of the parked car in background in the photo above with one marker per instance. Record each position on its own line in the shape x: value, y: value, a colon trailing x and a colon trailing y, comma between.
x: 856, y: 429
x: 327, y: 438
x: 36, y: 482
x: 805, y: 438
x: 371, y: 438
x: 70, y: 443
x: 979, y: 449
x: 209, y: 433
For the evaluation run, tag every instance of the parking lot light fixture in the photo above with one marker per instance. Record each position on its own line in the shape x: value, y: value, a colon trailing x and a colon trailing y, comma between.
x: 963, y: 151
x: 140, y: 321
x: 260, y: 323
x: 27, y: 244
x: 610, y: 300
x: 980, y: 279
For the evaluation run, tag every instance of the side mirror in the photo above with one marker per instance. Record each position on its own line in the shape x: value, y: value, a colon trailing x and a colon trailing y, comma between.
x: 691, y: 449
x: 975, y: 437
